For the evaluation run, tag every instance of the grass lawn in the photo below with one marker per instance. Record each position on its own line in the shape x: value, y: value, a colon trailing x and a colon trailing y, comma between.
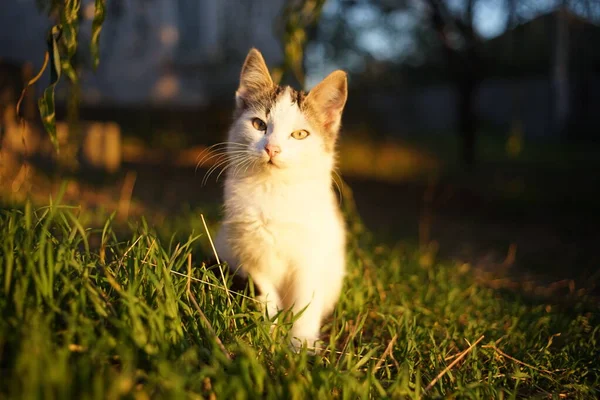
x: 93, y: 309
x: 541, y: 202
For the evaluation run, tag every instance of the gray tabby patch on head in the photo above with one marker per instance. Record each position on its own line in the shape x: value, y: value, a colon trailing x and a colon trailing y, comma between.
x: 322, y: 106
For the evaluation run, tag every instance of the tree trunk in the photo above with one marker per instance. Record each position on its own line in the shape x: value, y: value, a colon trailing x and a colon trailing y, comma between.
x: 467, y: 123
x: 561, y: 72
x: 465, y: 68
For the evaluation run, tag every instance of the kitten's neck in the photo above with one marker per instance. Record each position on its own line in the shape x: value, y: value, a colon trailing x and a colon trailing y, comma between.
x: 285, y: 177
x: 285, y: 198
x: 276, y: 181
x: 314, y: 182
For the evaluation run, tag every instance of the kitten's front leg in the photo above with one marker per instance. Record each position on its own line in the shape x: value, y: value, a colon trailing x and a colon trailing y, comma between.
x: 309, y: 301
x: 268, y: 297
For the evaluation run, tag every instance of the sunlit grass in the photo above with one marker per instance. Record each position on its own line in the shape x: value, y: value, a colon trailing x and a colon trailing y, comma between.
x: 106, y: 312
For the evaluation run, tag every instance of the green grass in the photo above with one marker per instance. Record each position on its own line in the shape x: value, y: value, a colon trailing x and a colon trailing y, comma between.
x: 106, y: 313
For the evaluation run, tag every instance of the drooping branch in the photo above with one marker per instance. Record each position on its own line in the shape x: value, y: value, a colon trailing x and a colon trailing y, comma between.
x: 63, y: 43
x: 299, y: 16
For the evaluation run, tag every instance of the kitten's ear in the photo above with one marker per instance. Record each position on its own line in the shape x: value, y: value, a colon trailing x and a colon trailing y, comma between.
x: 254, y: 78
x: 329, y: 98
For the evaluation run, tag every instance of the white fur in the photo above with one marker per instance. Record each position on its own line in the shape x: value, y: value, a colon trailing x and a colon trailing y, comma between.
x: 282, y: 224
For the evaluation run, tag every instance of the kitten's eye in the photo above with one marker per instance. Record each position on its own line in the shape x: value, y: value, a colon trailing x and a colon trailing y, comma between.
x: 299, y: 135
x: 259, y: 124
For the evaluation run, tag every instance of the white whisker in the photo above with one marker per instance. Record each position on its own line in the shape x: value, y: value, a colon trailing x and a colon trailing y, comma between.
x: 232, y: 164
x: 246, y: 163
x: 221, y: 152
x: 338, y: 186
x: 223, y: 144
x: 253, y: 164
x: 215, y: 167
x: 218, y: 147
x: 221, y: 163
x: 208, y: 157
x: 237, y: 167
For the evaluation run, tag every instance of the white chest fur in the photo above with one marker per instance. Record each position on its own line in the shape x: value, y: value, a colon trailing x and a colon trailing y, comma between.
x: 289, y: 237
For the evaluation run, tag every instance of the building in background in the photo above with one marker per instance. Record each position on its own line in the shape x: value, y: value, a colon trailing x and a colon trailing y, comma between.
x: 153, y: 51
x: 542, y: 75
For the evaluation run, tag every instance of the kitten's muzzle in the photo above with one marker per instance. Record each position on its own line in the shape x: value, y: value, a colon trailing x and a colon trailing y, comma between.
x: 272, y: 150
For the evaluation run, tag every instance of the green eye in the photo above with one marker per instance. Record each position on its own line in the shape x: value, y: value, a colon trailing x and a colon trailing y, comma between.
x: 259, y: 124
x: 299, y: 135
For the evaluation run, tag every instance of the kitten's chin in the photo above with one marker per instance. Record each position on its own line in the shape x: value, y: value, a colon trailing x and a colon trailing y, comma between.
x: 273, y: 164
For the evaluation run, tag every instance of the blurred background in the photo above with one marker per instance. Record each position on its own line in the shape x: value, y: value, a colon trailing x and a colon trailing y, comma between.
x: 470, y: 133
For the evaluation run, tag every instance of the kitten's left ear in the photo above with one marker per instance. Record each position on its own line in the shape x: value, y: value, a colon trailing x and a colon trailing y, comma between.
x: 254, y: 78
x: 329, y: 98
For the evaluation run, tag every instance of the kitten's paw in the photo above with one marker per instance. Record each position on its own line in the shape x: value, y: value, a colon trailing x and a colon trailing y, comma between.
x: 313, y: 345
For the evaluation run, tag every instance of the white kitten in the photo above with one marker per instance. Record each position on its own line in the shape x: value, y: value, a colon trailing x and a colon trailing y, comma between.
x: 282, y: 223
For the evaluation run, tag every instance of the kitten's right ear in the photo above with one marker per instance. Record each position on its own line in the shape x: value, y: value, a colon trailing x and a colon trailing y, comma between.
x: 255, y: 77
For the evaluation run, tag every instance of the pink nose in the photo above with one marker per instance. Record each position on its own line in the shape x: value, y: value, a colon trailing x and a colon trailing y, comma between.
x: 272, y: 150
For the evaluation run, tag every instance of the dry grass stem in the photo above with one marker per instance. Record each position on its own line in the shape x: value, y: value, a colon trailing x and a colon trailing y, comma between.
x: 388, y: 350
x: 202, y: 316
x: 126, y: 192
x: 127, y: 251
x: 503, y: 354
x: 210, y: 284
x: 349, y: 338
x: 212, y: 245
x: 449, y: 367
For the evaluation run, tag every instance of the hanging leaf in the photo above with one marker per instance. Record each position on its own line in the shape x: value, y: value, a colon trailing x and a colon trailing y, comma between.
x: 70, y: 27
x: 100, y: 9
x: 46, y: 102
x: 62, y: 47
x: 298, y: 16
x: 32, y: 82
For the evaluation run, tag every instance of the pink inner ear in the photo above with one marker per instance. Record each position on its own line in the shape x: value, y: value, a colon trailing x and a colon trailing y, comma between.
x: 331, y: 117
x: 333, y: 107
x: 329, y: 97
x: 241, y: 93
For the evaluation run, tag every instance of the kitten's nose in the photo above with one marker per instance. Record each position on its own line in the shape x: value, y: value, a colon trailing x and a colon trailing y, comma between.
x: 272, y: 150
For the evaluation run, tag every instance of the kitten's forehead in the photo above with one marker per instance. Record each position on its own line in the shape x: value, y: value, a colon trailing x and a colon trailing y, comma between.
x: 265, y: 100
x: 287, y: 106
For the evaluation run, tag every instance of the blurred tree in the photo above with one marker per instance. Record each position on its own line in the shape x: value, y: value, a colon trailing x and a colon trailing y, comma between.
x: 429, y: 31
x: 460, y: 42
x: 561, y: 69
x: 298, y: 22
x: 446, y: 39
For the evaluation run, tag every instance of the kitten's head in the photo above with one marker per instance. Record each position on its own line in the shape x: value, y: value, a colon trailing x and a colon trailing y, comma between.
x: 281, y: 129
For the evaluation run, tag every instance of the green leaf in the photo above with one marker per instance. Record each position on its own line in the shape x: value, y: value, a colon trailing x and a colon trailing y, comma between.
x: 298, y: 16
x: 96, y: 28
x: 46, y: 102
x: 70, y: 28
